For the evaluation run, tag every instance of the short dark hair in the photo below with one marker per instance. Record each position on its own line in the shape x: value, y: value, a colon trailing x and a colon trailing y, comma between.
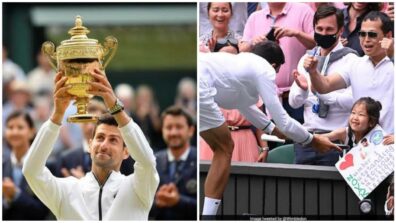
x: 106, y: 119
x: 270, y: 51
x: 210, y: 4
x: 324, y: 11
x: 387, y: 25
x: 177, y: 111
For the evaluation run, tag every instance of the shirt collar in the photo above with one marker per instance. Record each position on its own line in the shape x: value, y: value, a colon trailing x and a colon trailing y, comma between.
x: 14, y: 160
x: 384, y: 60
x: 285, y: 10
x: 183, y: 157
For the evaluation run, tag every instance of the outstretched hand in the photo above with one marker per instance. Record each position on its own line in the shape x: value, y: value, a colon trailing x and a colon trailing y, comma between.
x: 300, y: 79
x: 323, y: 144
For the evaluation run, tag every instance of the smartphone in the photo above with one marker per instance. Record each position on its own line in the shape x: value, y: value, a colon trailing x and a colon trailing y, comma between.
x: 270, y: 35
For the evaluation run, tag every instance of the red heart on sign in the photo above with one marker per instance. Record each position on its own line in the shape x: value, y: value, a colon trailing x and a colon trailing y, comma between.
x: 348, y: 162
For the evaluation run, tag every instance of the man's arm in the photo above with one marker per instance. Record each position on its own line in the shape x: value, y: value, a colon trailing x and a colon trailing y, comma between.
x: 323, y: 84
x: 39, y: 178
x: 145, y: 177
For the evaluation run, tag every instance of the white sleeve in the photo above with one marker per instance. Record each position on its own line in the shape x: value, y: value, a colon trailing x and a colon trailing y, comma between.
x: 298, y: 96
x: 342, y: 99
x: 41, y: 181
x: 257, y: 118
x: 290, y: 127
x: 145, y: 176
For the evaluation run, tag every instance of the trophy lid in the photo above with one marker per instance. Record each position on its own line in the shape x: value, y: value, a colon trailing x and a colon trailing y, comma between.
x: 79, y: 46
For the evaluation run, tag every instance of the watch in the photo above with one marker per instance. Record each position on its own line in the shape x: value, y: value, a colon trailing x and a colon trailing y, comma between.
x: 118, y: 107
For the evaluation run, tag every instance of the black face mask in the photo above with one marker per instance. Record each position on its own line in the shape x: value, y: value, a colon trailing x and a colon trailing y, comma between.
x: 325, y: 41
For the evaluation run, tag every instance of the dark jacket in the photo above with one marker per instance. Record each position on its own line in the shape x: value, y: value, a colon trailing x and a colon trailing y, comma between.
x: 186, y: 184
x: 27, y: 206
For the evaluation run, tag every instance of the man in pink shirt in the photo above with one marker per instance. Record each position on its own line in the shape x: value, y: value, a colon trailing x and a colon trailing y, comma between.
x: 293, y: 30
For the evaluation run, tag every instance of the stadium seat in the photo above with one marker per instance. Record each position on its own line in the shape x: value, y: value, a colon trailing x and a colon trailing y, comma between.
x: 281, y: 154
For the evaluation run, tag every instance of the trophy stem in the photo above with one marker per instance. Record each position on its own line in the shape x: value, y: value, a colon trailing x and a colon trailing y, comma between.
x: 82, y: 115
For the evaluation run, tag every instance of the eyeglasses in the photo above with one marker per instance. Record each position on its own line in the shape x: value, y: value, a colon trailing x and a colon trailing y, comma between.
x: 369, y: 34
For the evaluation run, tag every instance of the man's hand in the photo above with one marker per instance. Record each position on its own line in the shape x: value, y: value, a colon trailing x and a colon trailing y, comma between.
x: 167, y: 196
x: 9, y: 189
x: 301, y: 81
x: 102, y: 87
x: 259, y: 39
x: 344, y: 41
x: 389, y: 139
x: 77, y: 172
x: 310, y: 64
x: 263, y: 156
x: 388, y: 45
x: 323, y: 144
x: 61, y: 98
x: 284, y: 32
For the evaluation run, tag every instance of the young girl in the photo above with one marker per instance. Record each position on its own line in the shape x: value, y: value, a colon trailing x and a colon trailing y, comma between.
x: 363, y: 128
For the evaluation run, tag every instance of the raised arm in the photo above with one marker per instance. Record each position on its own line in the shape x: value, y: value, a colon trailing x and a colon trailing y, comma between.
x: 39, y: 178
x: 322, y: 84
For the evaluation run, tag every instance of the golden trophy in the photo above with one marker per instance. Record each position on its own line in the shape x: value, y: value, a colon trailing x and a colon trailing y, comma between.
x: 77, y: 57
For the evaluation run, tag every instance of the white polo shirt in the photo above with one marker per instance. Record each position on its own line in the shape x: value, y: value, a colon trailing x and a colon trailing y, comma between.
x: 235, y: 82
x: 372, y: 81
x: 340, y: 101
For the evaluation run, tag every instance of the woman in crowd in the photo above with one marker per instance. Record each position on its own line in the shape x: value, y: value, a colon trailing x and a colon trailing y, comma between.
x: 19, y: 201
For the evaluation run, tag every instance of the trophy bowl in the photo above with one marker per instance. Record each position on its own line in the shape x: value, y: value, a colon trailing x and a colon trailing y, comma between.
x: 77, y: 58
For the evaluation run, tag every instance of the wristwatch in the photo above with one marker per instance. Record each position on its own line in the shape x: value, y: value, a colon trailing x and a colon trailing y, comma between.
x: 118, y: 107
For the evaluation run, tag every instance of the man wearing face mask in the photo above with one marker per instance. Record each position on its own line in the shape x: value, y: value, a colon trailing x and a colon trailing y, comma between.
x: 322, y: 112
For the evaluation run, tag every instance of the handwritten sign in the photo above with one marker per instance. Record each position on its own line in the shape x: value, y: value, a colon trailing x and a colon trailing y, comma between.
x: 365, y: 167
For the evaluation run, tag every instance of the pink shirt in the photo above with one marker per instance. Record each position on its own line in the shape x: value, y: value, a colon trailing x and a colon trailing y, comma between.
x: 297, y: 16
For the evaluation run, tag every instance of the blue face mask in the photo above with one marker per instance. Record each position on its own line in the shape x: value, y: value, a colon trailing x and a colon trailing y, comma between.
x: 325, y: 41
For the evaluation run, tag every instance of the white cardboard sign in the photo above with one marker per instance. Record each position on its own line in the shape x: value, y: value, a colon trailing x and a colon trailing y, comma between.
x: 365, y: 167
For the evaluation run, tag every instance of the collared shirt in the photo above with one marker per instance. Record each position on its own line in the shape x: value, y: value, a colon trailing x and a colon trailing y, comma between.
x: 340, y: 101
x: 183, y: 157
x: 237, y: 81
x: 298, y: 16
x: 120, y: 198
x: 372, y: 81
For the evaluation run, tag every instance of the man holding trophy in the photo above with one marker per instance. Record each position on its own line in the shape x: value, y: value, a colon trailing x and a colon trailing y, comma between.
x: 104, y: 193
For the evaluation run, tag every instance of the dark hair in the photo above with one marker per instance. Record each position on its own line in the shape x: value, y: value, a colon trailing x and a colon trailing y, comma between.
x: 210, y: 4
x: 270, y: 51
x: 106, y: 119
x: 28, y: 119
x: 373, y: 109
x: 386, y: 26
x: 324, y: 11
x: 373, y: 6
x: 177, y: 111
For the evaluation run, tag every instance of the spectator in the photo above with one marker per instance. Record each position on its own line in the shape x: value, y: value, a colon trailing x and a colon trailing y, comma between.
x: 323, y: 113
x: 19, y: 202
x: 11, y: 71
x: 237, y: 22
x: 126, y: 94
x: 187, y: 96
x: 363, y: 126
x: 220, y: 35
x: 20, y: 96
x: 176, y: 197
x: 353, y: 16
x: 290, y: 24
x: 371, y: 75
x: 315, y: 5
x: 41, y: 78
x: 147, y: 115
